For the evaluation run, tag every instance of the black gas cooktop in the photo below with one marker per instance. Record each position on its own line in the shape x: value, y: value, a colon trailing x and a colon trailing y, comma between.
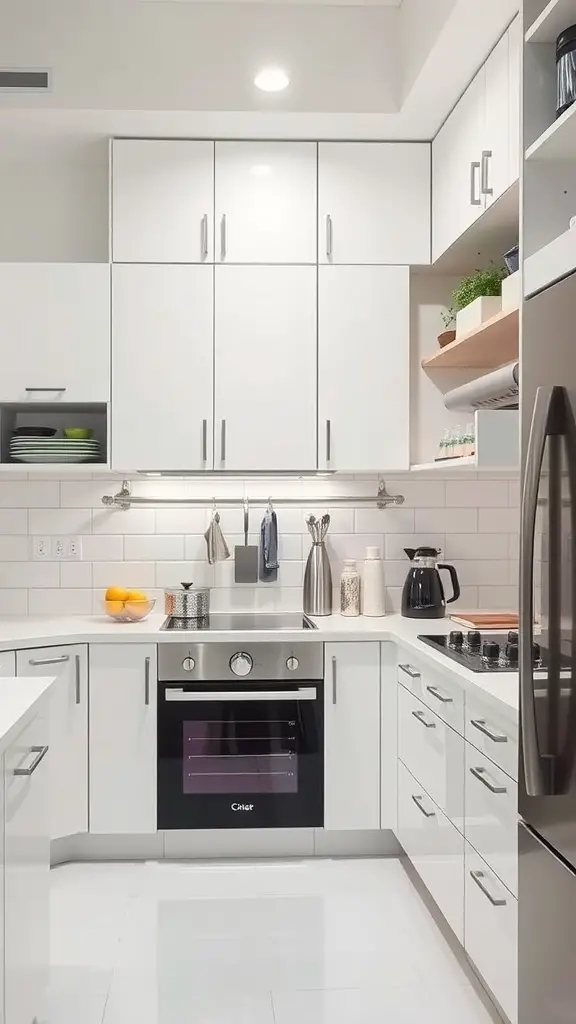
x: 484, y: 652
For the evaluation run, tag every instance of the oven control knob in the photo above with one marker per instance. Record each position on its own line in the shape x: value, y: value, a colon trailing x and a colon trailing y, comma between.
x: 241, y: 664
x: 188, y: 664
x: 292, y: 664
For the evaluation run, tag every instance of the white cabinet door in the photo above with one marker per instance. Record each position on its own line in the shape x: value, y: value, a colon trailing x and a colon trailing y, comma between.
x: 491, y: 826
x: 265, y: 385
x: 433, y: 753
x: 374, y: 202
x: 162, y: 201
x: 364, y: 368
x: 352, y: 736
x: 456, y: 168
x: 434, y: 846
x: 68, y: 732
x: 55, y: 332
x: 495, y: 171
x: 515, y: 42
x: 266, y: 202
x: 123, y: 691
x: 162, y: 360
x: 27, y: 873
x: 8, y: 663
x: 491, y: 931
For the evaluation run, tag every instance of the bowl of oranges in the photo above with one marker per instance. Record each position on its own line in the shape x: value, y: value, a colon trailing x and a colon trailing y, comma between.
x: 127, y: 605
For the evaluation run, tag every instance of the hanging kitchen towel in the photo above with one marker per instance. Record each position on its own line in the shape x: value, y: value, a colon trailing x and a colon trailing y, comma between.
x: 269, y: 547
x: 217, y: 548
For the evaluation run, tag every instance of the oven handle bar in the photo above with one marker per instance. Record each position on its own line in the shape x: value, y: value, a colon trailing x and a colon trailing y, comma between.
x: 304, y: 693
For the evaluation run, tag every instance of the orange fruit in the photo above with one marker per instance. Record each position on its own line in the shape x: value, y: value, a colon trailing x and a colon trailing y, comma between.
x: 115, y: 594
x: 114, y: 607
x: 136, y: 595
x: 137, y: 609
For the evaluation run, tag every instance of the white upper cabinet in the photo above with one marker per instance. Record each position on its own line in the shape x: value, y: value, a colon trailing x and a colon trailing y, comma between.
x: 55, y: 332
x: 495, y: 169
x: 162, y: 201
x: 266, y: 202
x: 364, y: 368
x: 265, y: 374
x: 162, y: 365
x: 374, y: 202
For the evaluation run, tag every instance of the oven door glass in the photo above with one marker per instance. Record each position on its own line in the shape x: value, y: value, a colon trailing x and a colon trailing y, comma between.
x: 234, y: 758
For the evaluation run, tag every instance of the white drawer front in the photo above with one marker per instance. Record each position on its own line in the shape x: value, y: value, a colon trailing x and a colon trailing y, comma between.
x: 434, y: 753
x: 442, y: 693
x: 492, y: 733
x: 434, y: 846
x: 491, y: 824
x: 491, y: 915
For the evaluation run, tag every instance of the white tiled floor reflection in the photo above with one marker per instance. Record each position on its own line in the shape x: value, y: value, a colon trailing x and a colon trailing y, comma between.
x: 309, y: 942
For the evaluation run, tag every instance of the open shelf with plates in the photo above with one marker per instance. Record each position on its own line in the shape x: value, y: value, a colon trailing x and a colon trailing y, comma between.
x: 21, y: 448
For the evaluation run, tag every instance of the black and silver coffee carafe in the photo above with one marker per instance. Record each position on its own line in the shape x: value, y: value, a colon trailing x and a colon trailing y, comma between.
x: 423, y: 594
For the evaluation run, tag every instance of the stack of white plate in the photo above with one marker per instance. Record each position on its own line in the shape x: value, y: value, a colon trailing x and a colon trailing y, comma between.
x: 54, y: 449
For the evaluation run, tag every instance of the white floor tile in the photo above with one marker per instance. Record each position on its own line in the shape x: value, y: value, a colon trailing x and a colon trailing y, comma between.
x: 396, y: 1005
x: 147, y: 999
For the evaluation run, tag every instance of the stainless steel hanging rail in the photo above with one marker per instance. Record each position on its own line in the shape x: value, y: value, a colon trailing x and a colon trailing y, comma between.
x: 124, y: 499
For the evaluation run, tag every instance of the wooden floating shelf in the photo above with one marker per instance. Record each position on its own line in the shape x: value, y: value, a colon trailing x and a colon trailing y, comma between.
x: 490, y: 346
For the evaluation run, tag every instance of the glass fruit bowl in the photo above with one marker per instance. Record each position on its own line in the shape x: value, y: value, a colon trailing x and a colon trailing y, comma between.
x: 128, y: 611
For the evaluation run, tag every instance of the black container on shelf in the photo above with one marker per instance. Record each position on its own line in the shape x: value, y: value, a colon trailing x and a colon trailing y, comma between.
x: 512, y: 259
x: 565, y: 70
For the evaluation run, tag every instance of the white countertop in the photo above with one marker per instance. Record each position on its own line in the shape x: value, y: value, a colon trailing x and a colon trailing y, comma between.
x: 501, y: 689
x: 19, y: 700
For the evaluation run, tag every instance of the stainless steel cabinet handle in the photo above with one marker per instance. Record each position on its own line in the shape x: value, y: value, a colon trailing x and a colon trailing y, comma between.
x: 40, y: 754
x: 328, y: 440
x: 418, y: 801
x: 328, y: 236
x: 223, y: 238
x: 440, y: 695
x: 180, y: 695
x: 49, y: 661
x: 484, y: 728
x: 412, y: 672
x: 44, y: 389
x: 204, y: 440
x: 77, y: 659
x: 146, y: 681
x: 474, y: 166
x: 483, y: 776
x: 419, y: 716
x: 334, y: 682
x: 223, y: 442
x: 484, y: 185
x: 478, y: 876
x: 205, y: 236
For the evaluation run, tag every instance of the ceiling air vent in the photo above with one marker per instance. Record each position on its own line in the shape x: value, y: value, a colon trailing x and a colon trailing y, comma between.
x: 24, y: 80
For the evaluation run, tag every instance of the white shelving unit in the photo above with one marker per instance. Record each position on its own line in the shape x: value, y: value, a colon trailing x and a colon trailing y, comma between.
x: 551, y: 263
x: 497, y: 446
x: 556, y: 16
x: 558, y: 142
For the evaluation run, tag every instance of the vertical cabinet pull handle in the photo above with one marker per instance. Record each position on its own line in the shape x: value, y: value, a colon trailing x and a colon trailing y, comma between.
x: 328, y: 236
x: 204, y: 440
x: 474, y: 166
x: 223, y: 238
x: 205, y: 237
x: 328, y: 440
x: 147, y: 681
x: 77, y: 661
x: 223, y: 442
x: 334, y: 682
x: 484, y: 184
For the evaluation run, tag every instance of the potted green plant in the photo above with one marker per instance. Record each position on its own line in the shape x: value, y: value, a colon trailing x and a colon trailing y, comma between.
x: 449, y: 333
x: 478, y: 297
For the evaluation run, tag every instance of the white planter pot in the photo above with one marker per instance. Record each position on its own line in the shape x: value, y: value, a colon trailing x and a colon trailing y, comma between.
x: 478, y: 312
x: 511, y: 292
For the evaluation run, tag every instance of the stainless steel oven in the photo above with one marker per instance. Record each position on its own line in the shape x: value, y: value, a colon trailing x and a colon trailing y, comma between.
x: 240, y: 735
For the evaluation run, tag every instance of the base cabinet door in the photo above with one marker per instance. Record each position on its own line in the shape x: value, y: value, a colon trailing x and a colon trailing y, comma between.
x: 435, y: 848
x: 352, y: 736
x: 491, y: 936
x: 123, y: 691
x: 27, y: 873
x: 68, y: 763
x: 363, y: 368
x: 8, y: 663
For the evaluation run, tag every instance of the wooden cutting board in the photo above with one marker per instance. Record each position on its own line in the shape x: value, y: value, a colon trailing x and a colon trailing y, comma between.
x: 487, y: 620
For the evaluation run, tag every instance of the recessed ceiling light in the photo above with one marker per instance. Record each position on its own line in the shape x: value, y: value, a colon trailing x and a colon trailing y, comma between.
x: 272, y: 80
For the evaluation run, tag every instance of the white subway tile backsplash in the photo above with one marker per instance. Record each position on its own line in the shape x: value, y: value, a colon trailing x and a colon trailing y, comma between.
x: 477, y: 545
x: 181, y: 521
x: 59, y: 521
x: 60, y: 602
x: 340, y: 547
x: 482, y: 572
x: 29, y: 494
x: 103, y: 548
x: 195, y: 549
x: 172, y: 574
x: 498, y: 598
x: 499, y: 520
x: 135, y: 521
x: 446, y: 520
x: 390, y: 520
x: 14, y: 549
x: 83, y: 493
x: 133, y: 575
x: 477, y: 493
x: 514, y: 493
x: 13, y: 520
x: 76, y: 575
x: 418, y: 493
x: 154, y: 548
x: 13, y: 602
x: 29, y: 574
x: 395, y: 543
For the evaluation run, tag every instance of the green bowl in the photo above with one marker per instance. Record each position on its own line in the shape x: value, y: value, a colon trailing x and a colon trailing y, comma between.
x: 78, y: 433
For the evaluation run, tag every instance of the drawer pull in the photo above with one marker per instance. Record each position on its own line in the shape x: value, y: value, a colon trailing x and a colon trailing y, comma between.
x: 40, y: 754
x: 418, y: 801
x: 440, y: 695
x: 49, y: 661
x: 483, y: 776
x: 478, y: 877
x: 412, y: 672
x: 482, y: 726
x: 419, y: 716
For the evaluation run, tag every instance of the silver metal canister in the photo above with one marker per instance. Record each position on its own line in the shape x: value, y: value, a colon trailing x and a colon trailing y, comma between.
x: 185, y: 602
x: 318, y: 574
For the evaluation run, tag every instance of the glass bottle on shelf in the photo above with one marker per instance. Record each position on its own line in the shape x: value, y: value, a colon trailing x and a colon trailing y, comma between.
x: 470, y: 439
x: 443, y: 448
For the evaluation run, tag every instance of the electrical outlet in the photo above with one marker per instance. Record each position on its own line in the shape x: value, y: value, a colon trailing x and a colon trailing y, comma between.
x: 73, y: 549
x: 58, y: 547
x: 66, y: 549
x: 41, y: 549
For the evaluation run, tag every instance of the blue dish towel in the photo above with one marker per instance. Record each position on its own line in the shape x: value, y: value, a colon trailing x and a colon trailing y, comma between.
x: 269, y: 548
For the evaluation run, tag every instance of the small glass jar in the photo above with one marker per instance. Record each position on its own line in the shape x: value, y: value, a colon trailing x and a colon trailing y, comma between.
x: 350, y: 589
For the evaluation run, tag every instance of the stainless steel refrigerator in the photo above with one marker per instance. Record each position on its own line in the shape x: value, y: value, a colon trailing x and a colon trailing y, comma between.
x: 547, y: 769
